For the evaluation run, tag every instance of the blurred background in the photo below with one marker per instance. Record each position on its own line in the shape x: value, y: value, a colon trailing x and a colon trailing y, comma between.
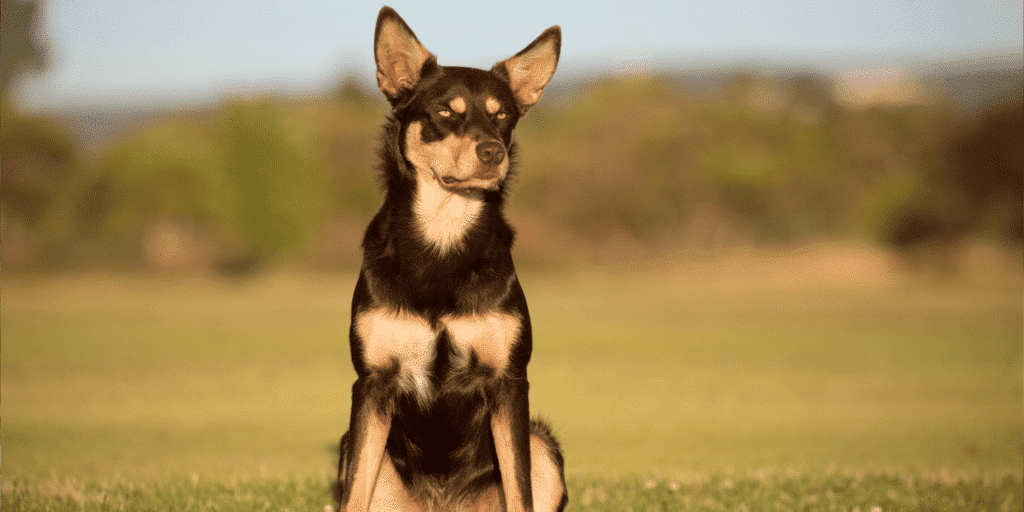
x: 751, y: 233
x: 223, y: 137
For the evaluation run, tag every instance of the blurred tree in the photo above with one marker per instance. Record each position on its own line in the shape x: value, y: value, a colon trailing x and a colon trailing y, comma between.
x: 350, y: 92
x: 276, y: 184
x: 20, y: 41
x: 348, y: 127
x: 977, y: 188
x: 170, y: 171
x: 656, y: 162
x: 38, y: 157
x: 233, y: 188
x: 740, y: 158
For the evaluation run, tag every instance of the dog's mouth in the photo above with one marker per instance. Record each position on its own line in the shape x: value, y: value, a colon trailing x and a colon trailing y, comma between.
x: 485, y: 180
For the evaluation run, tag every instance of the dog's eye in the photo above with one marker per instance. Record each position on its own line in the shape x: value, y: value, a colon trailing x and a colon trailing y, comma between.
x: 501, y: 115
x: 444, y: 112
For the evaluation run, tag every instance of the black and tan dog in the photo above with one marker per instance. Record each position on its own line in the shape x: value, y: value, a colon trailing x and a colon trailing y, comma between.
x: 440, y: 333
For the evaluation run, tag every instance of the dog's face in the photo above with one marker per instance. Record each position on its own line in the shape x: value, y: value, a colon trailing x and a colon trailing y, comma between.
x: 457, y: 122
x: 459, y: 126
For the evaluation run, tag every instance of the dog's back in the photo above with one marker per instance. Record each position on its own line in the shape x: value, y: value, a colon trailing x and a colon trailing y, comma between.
x: 440, y: 335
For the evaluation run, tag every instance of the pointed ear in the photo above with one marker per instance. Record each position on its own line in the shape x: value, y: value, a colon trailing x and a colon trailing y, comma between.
x: 531, y: 69
x: 400, y: 56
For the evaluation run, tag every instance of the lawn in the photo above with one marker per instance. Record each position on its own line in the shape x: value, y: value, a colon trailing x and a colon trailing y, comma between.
x: 196, y: 393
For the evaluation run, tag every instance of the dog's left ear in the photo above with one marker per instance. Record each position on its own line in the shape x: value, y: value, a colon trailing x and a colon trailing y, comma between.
x: 531, y: 69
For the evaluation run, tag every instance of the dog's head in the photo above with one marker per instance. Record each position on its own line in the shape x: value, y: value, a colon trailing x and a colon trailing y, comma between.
x: 457, y: 122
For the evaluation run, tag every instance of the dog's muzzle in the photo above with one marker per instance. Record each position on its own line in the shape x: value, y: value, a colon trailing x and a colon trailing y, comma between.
x: 491, y: 154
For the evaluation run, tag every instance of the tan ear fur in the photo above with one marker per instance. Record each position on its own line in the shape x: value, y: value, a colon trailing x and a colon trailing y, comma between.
x: 530, y: 70
x: 399, y: 55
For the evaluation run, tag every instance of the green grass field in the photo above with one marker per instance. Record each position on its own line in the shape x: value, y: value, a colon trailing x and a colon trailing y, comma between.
x: 196, y: 394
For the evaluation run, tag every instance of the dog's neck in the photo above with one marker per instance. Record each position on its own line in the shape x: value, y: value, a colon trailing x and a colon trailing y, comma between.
x: 444, y: 217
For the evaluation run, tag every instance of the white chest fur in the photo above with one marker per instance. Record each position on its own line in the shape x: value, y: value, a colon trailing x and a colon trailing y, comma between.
x: 443, y: 216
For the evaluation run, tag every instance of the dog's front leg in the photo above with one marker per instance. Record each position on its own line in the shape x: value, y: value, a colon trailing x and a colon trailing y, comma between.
x: 369, y: 434
x: 392, y: 352
x: 510, y: 425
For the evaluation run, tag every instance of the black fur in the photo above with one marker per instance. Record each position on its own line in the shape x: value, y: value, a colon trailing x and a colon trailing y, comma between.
x: 442, y: 445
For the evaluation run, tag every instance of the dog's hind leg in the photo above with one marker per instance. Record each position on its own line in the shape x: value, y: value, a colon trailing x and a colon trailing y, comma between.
x: 547, y: 479
x: 547, y: 470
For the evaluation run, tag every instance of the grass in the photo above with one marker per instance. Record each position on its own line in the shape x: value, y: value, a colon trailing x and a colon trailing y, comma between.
x: 191, y: 394
x: 763, y: 490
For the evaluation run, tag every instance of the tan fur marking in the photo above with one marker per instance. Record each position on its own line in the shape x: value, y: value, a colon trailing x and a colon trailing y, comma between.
x: 451, y: 156
x: 490, y: 335
x: 547, y: 485
x: 368, y: 462
x: 443, y: 216
x: 409, y: 338
x: 458, y: 104
x: 501, y: 428
x: 492, y: 105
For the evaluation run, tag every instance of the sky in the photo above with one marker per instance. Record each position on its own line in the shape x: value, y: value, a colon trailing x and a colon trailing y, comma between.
x: 158, y: 52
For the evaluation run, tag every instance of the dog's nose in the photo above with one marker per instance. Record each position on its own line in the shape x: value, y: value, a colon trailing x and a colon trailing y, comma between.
x: 490, y: 153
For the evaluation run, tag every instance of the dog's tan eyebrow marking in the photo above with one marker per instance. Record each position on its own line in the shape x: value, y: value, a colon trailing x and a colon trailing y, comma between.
x: 492, y: 105
x: 458, y: 104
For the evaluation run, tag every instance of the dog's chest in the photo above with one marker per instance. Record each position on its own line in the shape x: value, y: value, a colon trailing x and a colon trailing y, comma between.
x: 390, y: 336
x: 444, y: 217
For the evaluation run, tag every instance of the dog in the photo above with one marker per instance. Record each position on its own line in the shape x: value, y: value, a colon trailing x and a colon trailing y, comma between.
x: 440, y: 336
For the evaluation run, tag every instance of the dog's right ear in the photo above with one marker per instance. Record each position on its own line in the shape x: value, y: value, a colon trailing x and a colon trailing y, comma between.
x: 529, y: 71
x: 400, y: 56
